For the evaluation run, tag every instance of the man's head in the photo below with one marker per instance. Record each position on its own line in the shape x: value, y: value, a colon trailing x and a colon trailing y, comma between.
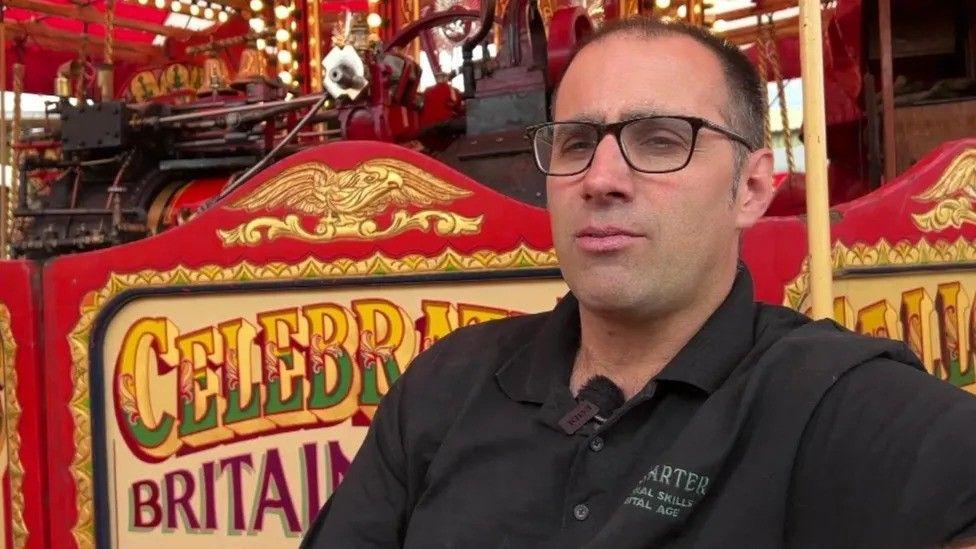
x: 639, y: 244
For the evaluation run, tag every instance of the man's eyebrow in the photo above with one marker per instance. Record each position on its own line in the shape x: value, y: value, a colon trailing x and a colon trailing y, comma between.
x: 585, y: 117
x: 630, y: 114
x: 642, y: 112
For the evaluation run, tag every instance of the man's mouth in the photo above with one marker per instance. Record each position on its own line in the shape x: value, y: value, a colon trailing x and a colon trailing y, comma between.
x: 601, y: 239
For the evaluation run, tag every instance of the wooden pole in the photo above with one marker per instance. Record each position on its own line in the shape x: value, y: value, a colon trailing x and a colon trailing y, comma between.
x: 815, y: 139
x: 887, y: 90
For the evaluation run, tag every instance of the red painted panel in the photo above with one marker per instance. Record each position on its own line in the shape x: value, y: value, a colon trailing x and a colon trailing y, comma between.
x: 20, y: 294
x: 506, y: 225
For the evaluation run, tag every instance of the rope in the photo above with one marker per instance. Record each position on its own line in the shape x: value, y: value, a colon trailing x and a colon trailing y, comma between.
x: 762, y: 53
x: 5, y: 220
x: 109, y: 30
x: 18, y: 71
x: 781, y: 94
x: 80, y: 73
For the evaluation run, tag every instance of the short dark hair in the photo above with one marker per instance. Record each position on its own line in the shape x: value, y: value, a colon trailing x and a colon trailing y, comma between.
x: 746, y: 106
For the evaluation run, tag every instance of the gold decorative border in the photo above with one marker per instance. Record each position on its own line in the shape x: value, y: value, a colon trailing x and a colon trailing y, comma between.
x: 377, y: 265
x: 883, y: 254
x: 11, y: 420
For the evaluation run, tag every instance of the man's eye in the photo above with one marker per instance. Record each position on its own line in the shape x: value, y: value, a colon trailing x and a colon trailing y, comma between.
x: 575, y: 145
x: 662, y: 141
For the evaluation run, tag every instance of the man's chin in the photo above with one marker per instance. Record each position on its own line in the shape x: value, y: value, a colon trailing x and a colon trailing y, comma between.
x: 608, y: 300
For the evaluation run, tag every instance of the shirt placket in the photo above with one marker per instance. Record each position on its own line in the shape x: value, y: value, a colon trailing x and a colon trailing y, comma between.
x: 587, y: 502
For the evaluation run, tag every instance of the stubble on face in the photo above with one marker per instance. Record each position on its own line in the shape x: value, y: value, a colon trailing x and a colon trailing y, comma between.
x: 684, y: 219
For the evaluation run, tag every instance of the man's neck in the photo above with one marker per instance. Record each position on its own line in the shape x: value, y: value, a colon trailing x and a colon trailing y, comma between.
x: 632, y: 353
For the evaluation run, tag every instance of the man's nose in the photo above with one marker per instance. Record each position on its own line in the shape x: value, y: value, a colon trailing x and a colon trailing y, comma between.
x: 608, y: 178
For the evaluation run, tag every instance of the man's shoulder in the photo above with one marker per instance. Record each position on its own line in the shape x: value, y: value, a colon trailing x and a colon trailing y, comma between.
x: 883, y: 390
x: 845, y: 370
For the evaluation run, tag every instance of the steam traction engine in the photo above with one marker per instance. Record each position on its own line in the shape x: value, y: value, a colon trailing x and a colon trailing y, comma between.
x: 105, y: 172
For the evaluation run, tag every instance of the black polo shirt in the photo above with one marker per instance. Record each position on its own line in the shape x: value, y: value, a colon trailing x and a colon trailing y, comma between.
x: 766, y: 430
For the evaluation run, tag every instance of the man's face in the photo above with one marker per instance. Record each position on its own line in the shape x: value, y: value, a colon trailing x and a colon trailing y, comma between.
x: 634, y: 244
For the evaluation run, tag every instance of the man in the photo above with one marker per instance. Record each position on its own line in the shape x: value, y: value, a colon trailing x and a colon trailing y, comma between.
x: 744, y: 425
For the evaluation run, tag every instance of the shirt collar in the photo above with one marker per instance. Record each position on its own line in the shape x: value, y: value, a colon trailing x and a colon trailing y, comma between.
x: 704, y: 362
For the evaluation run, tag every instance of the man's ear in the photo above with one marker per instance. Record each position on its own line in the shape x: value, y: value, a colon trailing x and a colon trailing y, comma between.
x: 755, y: 188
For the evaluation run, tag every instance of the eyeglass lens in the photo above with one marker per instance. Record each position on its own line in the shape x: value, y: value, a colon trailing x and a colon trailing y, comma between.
x: 651, y: 145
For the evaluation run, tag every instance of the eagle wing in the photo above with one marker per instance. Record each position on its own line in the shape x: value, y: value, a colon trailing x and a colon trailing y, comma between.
x: 307, y: 188
x: 959, y: 178
x: 376, y: 184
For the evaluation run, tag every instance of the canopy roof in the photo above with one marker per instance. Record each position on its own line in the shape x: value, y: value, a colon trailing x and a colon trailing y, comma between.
x: 47, y: 33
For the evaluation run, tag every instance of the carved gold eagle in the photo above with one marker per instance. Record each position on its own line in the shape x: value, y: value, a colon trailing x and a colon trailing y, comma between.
x: 954, y: 194
x: 348, y: 201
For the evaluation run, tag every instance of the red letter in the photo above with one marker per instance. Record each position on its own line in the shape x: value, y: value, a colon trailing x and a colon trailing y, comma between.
x: 236, y: 494
x: 275, y: 474
x: 155, y: 511
x: 172, y: 501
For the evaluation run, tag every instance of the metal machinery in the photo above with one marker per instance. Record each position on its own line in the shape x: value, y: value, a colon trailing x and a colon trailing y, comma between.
x: 110, y: 170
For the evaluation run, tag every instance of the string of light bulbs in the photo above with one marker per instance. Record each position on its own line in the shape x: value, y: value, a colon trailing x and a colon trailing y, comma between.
x: 197, y: 8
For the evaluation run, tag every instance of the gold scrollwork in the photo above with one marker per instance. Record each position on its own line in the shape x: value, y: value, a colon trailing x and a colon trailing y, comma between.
x: 881, y: 254
x: 346, y: 203
x: 11, y: 422
x: 378, y: 264
x: 443, y: 224
x: 954, y: 193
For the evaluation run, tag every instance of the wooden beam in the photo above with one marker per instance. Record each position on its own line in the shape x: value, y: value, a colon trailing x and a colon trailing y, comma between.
x: 88, y: 14
x: 887, y: 91
x: 57, y: 40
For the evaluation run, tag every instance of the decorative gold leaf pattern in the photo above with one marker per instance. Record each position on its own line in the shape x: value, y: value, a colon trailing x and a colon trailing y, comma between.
x: 11, y: 422
x: 883, y: 254
x: 348, y: 201
x: 954, y: 192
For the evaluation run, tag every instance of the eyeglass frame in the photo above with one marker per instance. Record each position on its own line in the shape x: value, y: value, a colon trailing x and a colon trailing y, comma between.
x: 616, y: 128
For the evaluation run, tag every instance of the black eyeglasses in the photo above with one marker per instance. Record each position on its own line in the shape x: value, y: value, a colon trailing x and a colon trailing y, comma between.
x: 651, y: 144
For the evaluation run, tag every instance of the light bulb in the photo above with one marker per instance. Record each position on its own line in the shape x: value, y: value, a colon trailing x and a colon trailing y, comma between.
x: 285, y: 77
x: 682, y: 11
x: 208, y: 13
x: 143, y: 2
x: 222, y: 16
x: 663, y: 4
x: 176, y: 6
x: 374, y: 20
x: 257, y: 5
x: 260, y: 43
x: 194, y: 10
x: 284, y: 57
x: 160, y: 4
x: 281, y: 12
x: 282, y: 35
x: 256, y: 24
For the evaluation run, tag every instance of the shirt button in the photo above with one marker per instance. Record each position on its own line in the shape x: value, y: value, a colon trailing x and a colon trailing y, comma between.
x: 596, y: 444
x: 581, y: 511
